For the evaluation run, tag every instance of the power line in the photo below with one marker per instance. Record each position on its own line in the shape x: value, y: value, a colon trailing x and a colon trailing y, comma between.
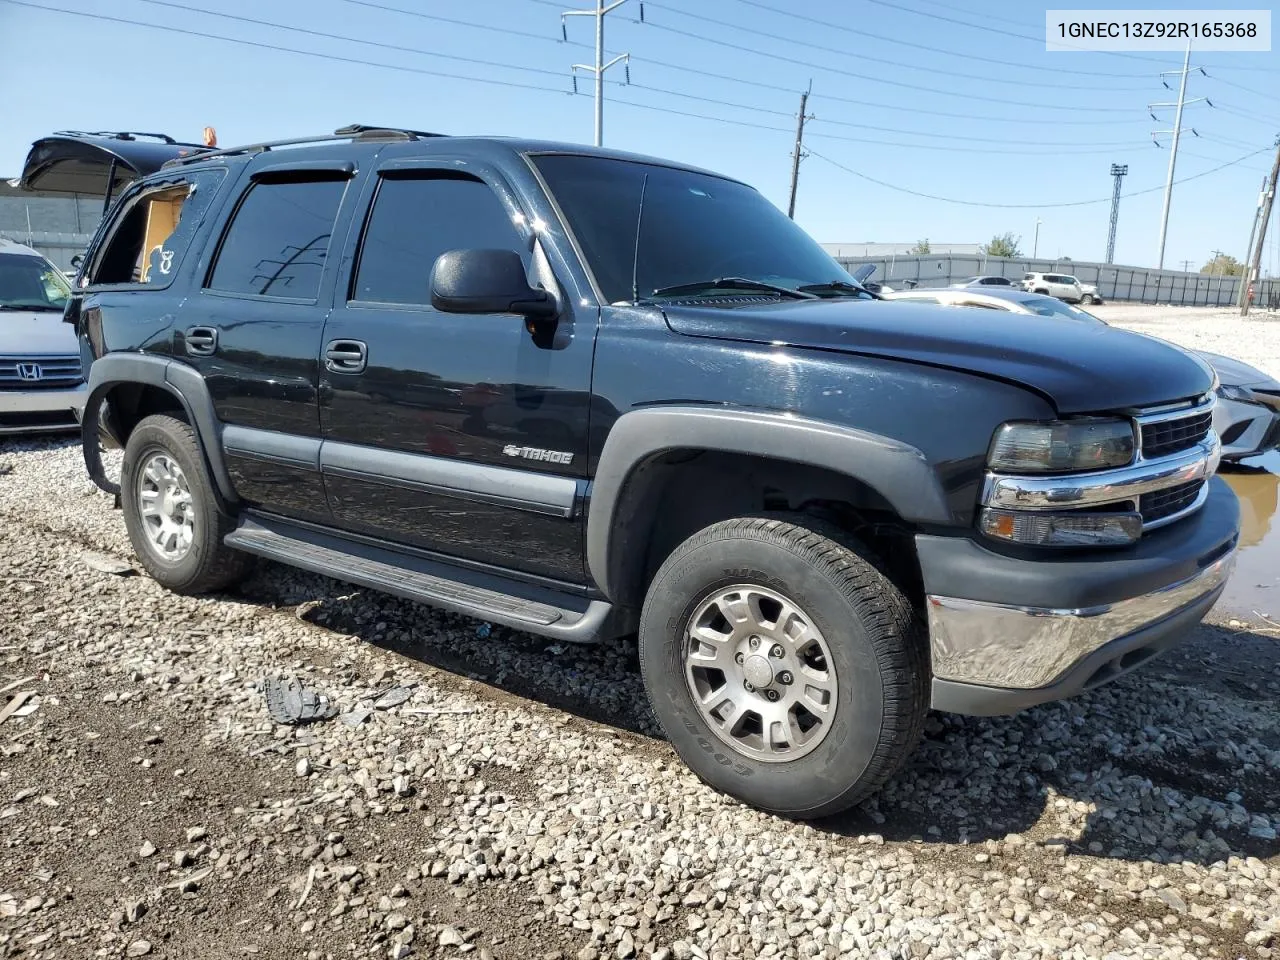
x: 865, y: 57
x: 862, y: 76
x: 282, y: 49
x: 1028, y: 206
x: 654, y: 89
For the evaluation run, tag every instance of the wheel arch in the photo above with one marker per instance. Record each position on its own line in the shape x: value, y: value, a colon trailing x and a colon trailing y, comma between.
x: 124, y: 388
x: 721, y: 461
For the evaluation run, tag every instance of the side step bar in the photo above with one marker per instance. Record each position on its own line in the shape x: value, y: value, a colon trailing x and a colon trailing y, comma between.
x: 472, y: 593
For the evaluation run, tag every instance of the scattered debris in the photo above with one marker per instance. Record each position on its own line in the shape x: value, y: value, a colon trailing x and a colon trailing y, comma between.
x: 484, y: 630
x: 105, y: 563
x: 139, y: 948
x: 17, y: 683
x: 356, y: 717
x: 302, y: 609
x: 439, y: 712
x: 291, y: 701
x: 392, y: 698
x: 306, y: 890
x: 148, y: 849
x: 15, y: 704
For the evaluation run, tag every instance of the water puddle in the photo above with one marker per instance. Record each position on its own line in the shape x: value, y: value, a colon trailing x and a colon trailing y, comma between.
x: 1255, y: 585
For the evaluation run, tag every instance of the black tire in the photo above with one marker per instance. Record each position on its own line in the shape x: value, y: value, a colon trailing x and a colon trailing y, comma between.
x: 208, y: 565
x: 876, y: 648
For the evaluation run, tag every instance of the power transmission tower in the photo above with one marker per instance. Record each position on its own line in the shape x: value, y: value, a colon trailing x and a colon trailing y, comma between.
x: 798, y: 154
x: 1177, y: 134
x: 1118, y: 171
x: 1242, y: 293
x: 1252, y: 273
x: 600, y: 66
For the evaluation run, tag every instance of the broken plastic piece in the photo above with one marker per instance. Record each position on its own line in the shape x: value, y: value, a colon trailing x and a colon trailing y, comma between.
x: 354, y: 718
x: 292, y: 701
x: 392, y: 698
x: 104, y: 563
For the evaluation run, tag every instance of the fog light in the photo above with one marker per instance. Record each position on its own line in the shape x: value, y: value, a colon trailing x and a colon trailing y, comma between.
x: 1062, y: 529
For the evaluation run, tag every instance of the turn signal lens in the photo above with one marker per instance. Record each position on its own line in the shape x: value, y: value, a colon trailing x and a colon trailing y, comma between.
x: 1062, y: 529
x: 1063, y: 446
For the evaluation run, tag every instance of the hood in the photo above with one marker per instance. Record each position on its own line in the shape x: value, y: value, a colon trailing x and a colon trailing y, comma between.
x: 1080, y: 368
x: 97, y: 164
x: 36, y: 334
x: 1235, y: 372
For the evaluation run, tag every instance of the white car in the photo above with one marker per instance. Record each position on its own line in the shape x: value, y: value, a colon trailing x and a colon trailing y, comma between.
x: 1247, y: 414
x: 42, y: 386
x: 1060, y: 285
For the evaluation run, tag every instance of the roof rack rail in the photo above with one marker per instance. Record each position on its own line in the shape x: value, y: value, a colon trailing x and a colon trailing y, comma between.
x: 354, y: 131
x: 120, y: 135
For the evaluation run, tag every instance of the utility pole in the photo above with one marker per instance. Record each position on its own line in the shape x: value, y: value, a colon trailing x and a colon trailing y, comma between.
x: 1117, y: 171
x: 798, y: 154
x: 1242, y: 293
x: 1177, y: 135
x: 600, y: 66
x: 1035, y: 244
x: 1253, y: 272
x: 1186, y: 266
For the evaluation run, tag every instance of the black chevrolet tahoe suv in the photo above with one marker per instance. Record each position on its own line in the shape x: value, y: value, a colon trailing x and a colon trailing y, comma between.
x: 589, y: 395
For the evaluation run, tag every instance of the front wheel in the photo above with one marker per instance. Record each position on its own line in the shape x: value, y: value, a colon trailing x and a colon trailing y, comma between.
x: 785, y: 668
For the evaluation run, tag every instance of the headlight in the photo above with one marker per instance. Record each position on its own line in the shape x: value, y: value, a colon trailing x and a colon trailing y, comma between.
x: 1063, y: 446
x: 1229, y: 391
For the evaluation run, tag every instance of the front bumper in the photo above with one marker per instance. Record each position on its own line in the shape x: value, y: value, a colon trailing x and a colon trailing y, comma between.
x: 1246, y: 428
x: 41, y: 411
x: 1008, y: 632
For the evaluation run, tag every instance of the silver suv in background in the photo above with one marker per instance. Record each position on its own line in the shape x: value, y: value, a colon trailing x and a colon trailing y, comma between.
x: 42, y: 387
x: 1062, y: 286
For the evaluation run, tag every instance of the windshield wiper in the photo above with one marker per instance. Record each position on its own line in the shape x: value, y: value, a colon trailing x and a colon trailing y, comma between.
x: 841, y: 287
x: 731, y: 283
x: 31, y: 307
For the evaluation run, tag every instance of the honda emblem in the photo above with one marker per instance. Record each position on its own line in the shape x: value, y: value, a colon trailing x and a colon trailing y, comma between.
x: 29, y: 371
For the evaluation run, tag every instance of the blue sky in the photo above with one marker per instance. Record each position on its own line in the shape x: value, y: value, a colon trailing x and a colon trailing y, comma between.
x: 943, y: 98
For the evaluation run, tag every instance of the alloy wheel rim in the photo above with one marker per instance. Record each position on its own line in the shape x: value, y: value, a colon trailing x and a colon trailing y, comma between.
x: 166, y: 507
x: 760, y: 673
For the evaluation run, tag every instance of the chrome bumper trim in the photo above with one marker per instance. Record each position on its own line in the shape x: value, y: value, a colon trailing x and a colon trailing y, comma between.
x: 997, y: 645
x: 1104, y: 487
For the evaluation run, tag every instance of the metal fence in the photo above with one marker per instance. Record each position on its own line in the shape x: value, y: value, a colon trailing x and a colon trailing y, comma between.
x: 1137, y: 284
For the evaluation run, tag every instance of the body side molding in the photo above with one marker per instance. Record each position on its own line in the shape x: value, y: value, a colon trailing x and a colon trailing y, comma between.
x: 897, y: 471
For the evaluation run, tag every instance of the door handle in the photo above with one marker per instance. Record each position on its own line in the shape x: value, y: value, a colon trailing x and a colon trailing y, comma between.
x: 201, y: 341
x: 346, y: 356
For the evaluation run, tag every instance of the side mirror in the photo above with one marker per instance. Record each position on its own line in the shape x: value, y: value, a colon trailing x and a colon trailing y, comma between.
x: 77, y: 260
x: 486, y: 281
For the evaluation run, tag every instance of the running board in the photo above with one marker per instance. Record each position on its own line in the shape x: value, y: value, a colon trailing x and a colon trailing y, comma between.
x: 473, y: 593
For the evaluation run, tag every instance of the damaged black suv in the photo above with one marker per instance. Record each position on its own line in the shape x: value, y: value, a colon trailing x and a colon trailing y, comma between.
x: 588, y: 394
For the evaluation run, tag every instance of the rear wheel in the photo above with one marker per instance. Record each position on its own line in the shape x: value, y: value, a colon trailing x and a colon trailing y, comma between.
x: 171, y: 512
x: 785, y: 668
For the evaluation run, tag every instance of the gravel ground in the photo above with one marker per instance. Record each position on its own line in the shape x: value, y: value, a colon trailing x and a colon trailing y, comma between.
x: 1254, y: 339
x: 519, y: 803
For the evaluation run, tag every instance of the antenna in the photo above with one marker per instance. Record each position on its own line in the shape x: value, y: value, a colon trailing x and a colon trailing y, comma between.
x: 635, y: 260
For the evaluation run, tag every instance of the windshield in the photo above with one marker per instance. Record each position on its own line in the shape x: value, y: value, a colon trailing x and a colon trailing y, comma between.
x: 31, y: 283
x: 1051, y: 307
x: 696, y: 228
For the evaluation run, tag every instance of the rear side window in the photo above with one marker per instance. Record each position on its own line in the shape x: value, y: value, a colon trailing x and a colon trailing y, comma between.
x: 416, y: 219
x: 154, y: 229
x: 278, y: 240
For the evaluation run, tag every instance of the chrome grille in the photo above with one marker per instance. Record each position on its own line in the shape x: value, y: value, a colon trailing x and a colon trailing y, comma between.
x: 1162, y: 504
x: 1162, y: 438
x: 50, y: 373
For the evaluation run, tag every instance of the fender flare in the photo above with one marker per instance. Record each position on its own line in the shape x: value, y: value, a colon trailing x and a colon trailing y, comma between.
x: 183, y: 383
x: 897, y: 471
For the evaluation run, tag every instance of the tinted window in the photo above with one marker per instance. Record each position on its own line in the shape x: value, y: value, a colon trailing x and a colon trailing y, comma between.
x: 414, y: 221
x: 278, y: 241
x: 154, y: 229
x: 696, y: 227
